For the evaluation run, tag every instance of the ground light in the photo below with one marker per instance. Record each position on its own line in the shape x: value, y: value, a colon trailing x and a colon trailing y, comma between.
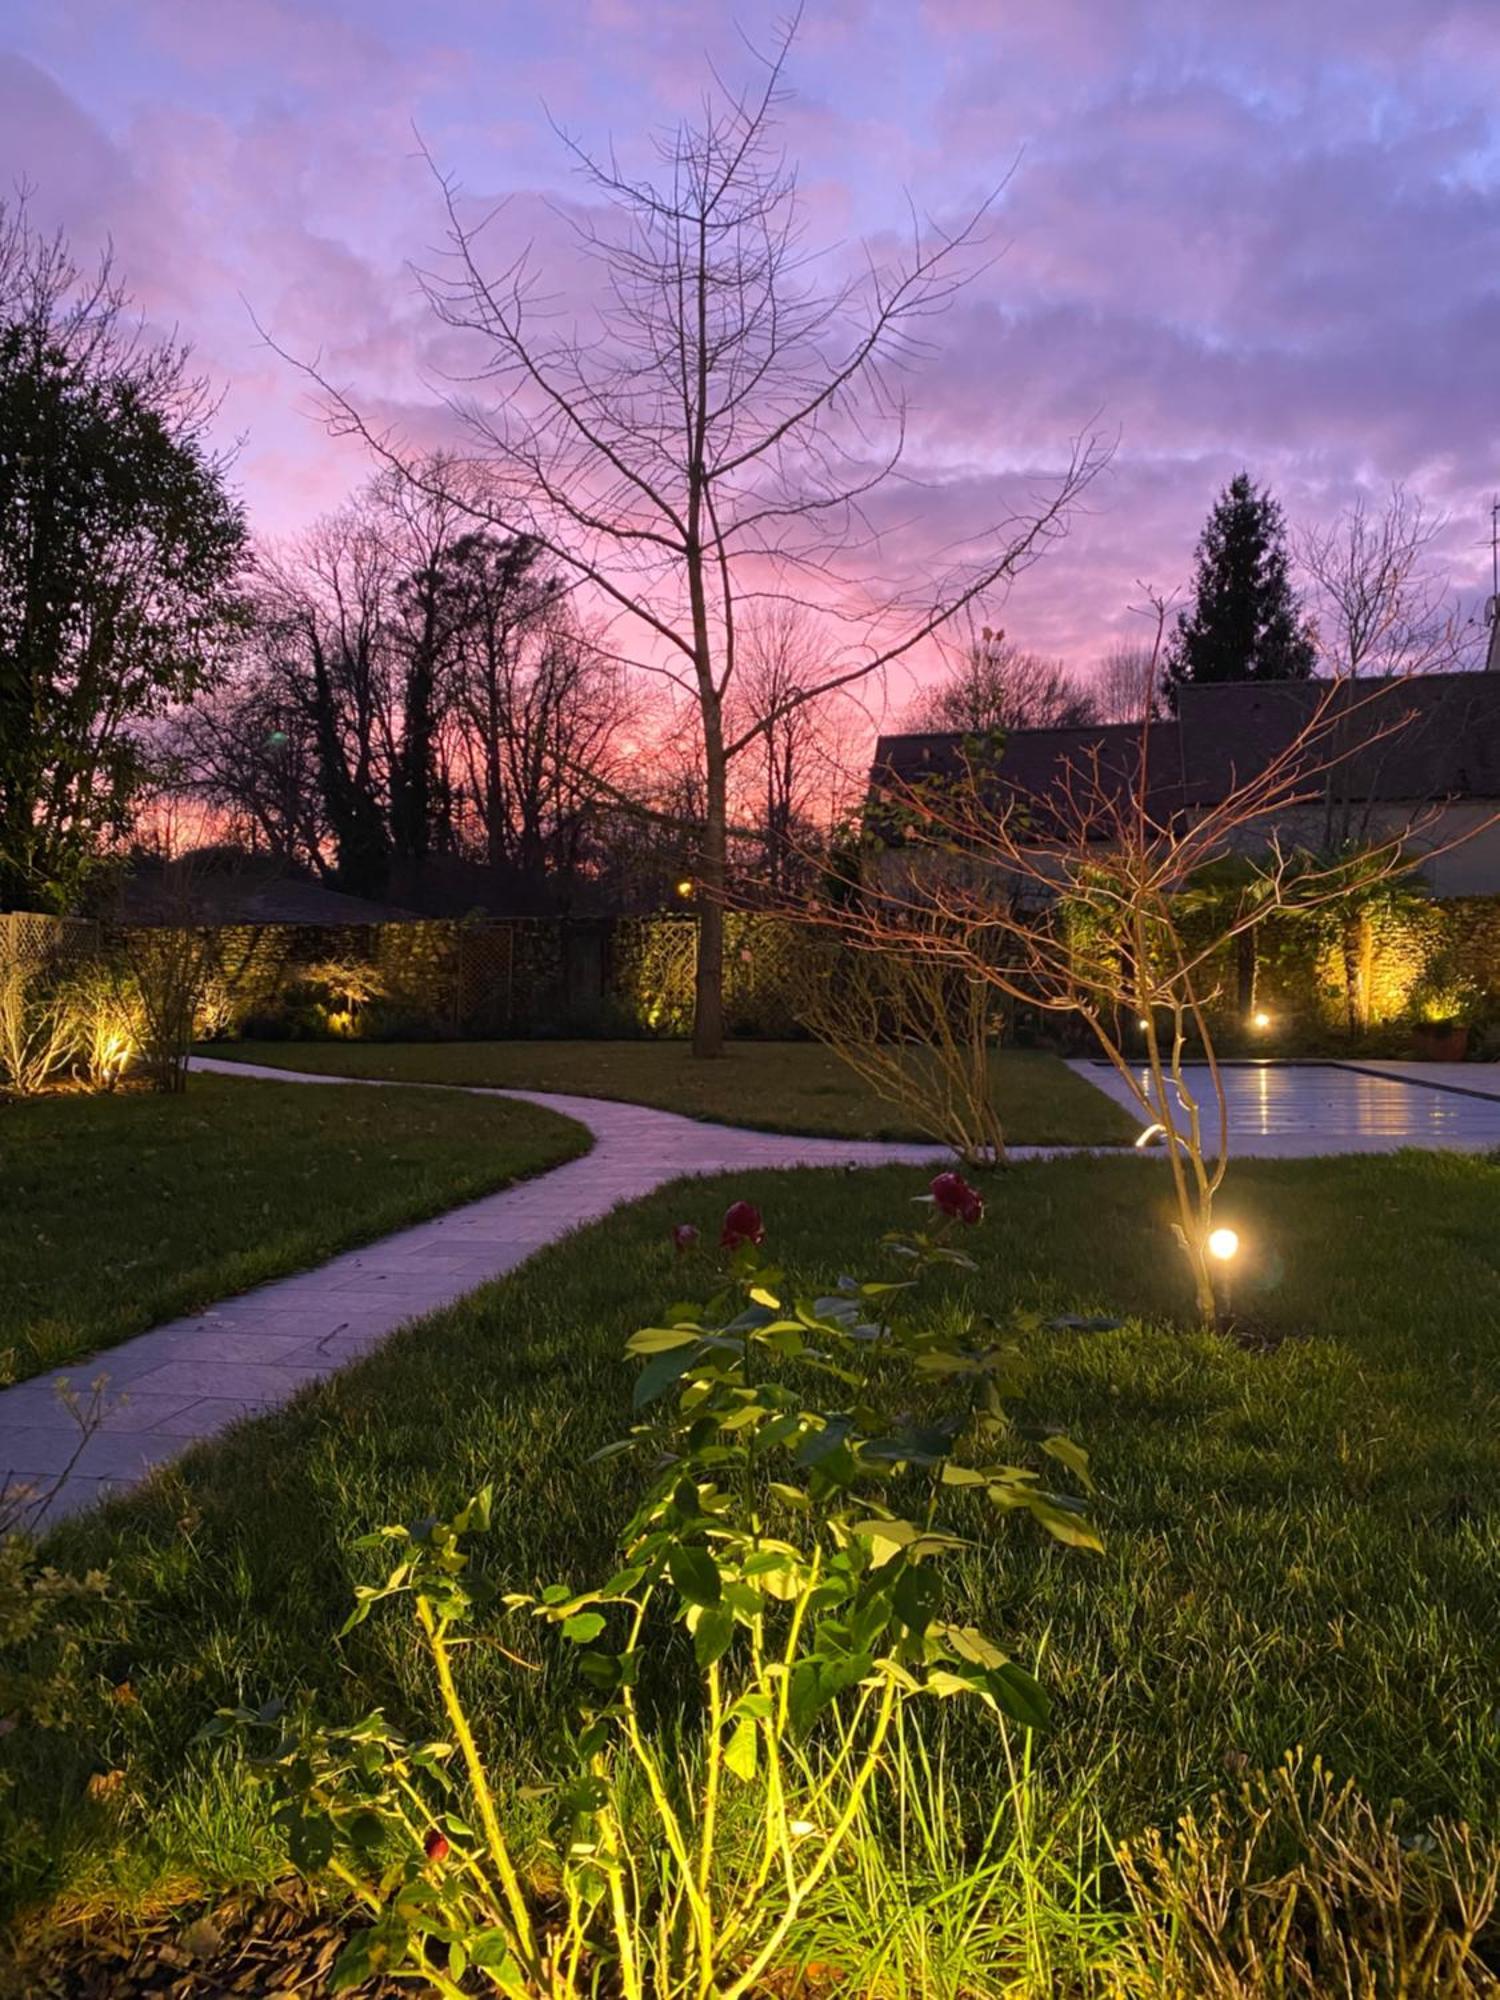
x: 1260, y: 1020
x: 1223, y: 1244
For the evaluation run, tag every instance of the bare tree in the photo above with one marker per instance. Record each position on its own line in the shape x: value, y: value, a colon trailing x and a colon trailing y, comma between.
x: 542, y: 725
x: 246, y: 751
x: 1126, y: 685
x: 994, y: 685
x: 792, y: 765
x: 1379, y: 605
x: 718, y: 432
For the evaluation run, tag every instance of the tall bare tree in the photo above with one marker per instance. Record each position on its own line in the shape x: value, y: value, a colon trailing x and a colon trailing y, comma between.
x: 541, y: 729
x: 995, y: 685
x: 1379, y: 604
x: 719, y: 428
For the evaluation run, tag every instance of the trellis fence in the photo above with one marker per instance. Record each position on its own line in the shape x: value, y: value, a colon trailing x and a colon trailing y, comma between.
x: 51, y: 943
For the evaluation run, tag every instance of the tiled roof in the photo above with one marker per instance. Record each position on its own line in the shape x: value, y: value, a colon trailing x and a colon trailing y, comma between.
x: 1424, y: 739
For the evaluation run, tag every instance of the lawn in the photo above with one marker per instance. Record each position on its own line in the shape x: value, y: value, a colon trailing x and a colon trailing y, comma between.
x: 770, y: 1086
x: 1302, y: 1542
x: 121, y: 1211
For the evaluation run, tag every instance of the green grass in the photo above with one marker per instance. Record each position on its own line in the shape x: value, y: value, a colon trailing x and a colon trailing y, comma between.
x: 1303, y: 1545
x: 769, y: 1086
x: 122, y: 1211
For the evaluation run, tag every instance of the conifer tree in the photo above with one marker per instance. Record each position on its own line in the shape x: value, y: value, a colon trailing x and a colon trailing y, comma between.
x: 1246, y: 621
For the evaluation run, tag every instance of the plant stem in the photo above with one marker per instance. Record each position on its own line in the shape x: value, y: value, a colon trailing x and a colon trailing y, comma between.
x: 510, y: 1881
x: 802, y: 1890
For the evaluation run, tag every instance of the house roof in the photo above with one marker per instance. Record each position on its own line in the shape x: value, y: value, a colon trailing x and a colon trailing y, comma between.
x: 1423, y: 739
x: 248, y: 897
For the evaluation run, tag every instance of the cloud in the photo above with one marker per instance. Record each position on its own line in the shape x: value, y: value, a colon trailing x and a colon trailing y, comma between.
x: 1266, y: 237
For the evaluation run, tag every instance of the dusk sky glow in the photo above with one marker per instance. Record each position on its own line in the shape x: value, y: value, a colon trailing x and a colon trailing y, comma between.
x: 1232, y: 236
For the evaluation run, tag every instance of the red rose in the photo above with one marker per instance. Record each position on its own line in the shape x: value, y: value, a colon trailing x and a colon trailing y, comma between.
x: 952, y: 1196
x: 435, y: 1846
x: 742, y: 1224
x: 684, y: 1236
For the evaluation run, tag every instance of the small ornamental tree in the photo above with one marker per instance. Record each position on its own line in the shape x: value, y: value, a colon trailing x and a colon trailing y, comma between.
x: 1085, y: 903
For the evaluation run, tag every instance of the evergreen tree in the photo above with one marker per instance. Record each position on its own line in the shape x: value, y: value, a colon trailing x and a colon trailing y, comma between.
x: 1246, y: 623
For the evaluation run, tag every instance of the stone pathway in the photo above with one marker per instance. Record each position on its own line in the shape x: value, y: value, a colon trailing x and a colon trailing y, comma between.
x: 192, y: 1377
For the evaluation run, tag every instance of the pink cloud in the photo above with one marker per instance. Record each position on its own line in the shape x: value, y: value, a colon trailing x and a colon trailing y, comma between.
x: 1267, y: 237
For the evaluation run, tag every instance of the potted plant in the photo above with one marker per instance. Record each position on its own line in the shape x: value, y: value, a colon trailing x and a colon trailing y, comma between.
x: 1440, y: 1032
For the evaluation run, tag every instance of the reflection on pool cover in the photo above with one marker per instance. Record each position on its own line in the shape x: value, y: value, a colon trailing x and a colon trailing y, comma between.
x: 1316, y: 1101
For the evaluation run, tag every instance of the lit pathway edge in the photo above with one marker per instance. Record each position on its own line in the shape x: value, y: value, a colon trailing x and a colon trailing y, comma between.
x: 193, y: 1377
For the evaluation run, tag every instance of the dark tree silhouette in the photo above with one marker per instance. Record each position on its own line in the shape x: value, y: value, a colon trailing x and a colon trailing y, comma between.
x: 1246, y: 622
x: 120, y: 548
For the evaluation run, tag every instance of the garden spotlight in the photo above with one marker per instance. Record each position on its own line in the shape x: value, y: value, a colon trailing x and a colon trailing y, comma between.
x: 1223, y: 1244
x: 1260, y: 1020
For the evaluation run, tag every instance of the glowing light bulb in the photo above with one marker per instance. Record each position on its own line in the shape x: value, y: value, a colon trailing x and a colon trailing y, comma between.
x: 1223, y: 1244
x: 1142, y: 1022
x: 1260, y: 1020
x: 684, y: 888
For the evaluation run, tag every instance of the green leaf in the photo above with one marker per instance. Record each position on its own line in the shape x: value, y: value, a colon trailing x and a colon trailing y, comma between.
x: 310, y: 1842
x: 662, y: 1339
x: 711, y: 1639
x: 886, y: 1538
x: 661, y: 1372
x: 1020, y: 1694
x: 490, y: 1952
x: 370, y: 1952
x: 583, y: 1626
x: 1073, y: 1456
x: 970, y: 1644
x: 917, y: 1445
x: 916, y: 1597
x: 1062, y: 1521
x: 695, y: 1574
x: 740, y: 1752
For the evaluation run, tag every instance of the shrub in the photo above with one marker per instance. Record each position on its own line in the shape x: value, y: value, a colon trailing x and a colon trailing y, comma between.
x: 105, y: 1010
x: 809, y: 1463
x: 38, y: 1035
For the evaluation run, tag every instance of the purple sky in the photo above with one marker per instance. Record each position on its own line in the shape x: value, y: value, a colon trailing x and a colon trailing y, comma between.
x: 1263, y: 235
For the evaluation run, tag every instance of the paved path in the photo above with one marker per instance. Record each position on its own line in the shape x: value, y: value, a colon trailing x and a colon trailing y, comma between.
x: 187, y: 1379
x: 1287, y: 1111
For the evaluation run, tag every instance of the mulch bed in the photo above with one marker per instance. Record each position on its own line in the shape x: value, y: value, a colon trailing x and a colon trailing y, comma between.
x: 279, y: 1946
